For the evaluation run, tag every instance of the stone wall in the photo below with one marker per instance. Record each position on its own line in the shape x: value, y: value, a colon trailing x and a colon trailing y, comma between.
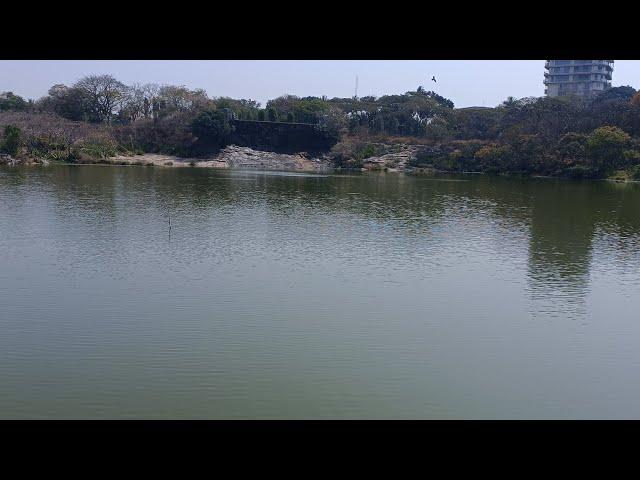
x: 280, y: 136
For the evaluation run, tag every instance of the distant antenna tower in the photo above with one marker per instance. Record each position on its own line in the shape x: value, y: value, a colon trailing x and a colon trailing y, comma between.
x: 356, y: 95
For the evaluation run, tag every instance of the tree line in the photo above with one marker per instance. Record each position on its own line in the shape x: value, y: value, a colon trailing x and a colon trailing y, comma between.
x: 532, y: 135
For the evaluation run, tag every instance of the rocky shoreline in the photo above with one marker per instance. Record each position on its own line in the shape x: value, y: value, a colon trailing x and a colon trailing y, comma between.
x: 6, y: 159
x: 243, y: 157
x: 401, y: 157
x: 230, y: 157
x: 389, y: 158
x: 233, y: 156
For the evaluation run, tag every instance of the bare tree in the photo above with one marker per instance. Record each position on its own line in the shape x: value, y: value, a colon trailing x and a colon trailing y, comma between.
x: 179, y: 98
x: 138, y: 101
x: 150, y: 94
x: 104, y: 94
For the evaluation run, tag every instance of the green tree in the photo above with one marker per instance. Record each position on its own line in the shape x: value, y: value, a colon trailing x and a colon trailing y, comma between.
x: 333, y: 124
x: 571, y: 148
x: 244, y: 109
x: 510, y: 102
x: 624, y: 94
x: 305, y: 110
x: 103, y: 96
x: 272, y: 114
x: 212, y: 128
x: 494, y: 158
x: 445, y: 102
x: 9, y: 101
x: 605, y: 148
x: 67, y: 102
x: 12, y: 139
x: 437, y: 129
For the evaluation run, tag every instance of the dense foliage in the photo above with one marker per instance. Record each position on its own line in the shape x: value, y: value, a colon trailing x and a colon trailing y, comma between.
x: 9, y: 101
x: 212, y: 128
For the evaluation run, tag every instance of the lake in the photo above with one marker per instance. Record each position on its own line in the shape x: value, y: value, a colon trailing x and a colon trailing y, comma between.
x: 281, y: 295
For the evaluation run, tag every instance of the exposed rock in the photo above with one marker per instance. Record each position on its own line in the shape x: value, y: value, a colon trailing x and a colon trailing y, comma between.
x: 396, y: 161
x: 398, y: 157
x: 6, y: 159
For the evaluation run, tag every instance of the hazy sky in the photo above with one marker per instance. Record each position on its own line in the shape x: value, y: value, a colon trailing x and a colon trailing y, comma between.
x: 466, y: 82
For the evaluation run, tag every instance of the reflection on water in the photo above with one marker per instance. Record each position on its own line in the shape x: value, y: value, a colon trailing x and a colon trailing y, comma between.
x: 315, y: 296
x: 560, y: 248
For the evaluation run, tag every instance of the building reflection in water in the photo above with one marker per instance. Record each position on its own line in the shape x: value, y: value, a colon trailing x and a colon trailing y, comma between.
x: 566, y: 219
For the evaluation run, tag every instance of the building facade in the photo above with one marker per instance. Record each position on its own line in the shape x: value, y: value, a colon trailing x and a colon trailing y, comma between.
x: 584, y: 78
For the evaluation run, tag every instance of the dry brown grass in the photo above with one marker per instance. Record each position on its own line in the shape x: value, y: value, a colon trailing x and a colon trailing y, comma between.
x: 51, y: 127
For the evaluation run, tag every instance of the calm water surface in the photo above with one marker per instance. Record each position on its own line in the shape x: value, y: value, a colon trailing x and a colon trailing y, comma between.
x: 303, y: 296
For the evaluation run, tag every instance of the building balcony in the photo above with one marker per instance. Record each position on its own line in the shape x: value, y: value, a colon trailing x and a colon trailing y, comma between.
x: 577, y: 63
x: 575, y: 81
x: 607, y: 73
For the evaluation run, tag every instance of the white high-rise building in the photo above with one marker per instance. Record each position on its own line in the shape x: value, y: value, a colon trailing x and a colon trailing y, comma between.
x: 577, y: 77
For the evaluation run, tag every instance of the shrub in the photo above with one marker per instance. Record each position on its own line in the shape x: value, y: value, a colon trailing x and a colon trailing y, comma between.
x: 606, y: 146
x: 580, y: 171
x: 349, y: 153
x: 9, y: 101
x: 449, y: 162
x: 12, y: 139
x: 421, y: 159
x: 365, y: 152
x: 212, y: 128
x: 494, y: 158
x: 98, y: 147
x: 73, y: 155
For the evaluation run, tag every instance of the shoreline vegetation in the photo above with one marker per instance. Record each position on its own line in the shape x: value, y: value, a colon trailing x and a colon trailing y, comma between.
x: 169, y: 161
x: 100, y: 120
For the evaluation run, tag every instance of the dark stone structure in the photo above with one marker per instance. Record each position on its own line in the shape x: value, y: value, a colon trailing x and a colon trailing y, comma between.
x: 281, y: 137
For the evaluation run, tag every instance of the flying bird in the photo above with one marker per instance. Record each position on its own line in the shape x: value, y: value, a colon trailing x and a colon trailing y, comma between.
x: 433, y: 79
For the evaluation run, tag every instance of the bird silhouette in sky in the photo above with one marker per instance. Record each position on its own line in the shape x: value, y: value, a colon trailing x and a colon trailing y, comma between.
x: 433, y: 79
